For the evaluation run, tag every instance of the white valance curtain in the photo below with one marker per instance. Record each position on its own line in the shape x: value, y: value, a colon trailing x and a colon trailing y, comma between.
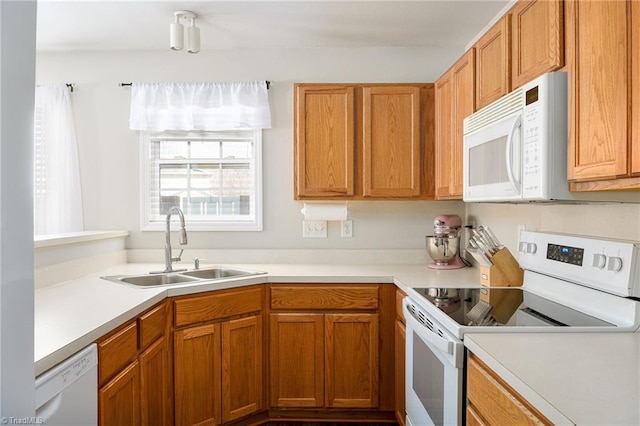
x: 199, y: 106
x: 57, y: 190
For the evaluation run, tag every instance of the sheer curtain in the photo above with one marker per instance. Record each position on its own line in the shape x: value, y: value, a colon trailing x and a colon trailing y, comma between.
x: 199, y: 106
x: 57, y: 191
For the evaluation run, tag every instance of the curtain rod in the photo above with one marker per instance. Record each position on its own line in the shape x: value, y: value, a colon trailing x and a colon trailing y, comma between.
x: 72, y: 85
x: 267, y: 82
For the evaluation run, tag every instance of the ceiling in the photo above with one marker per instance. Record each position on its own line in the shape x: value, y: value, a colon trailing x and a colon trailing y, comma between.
x: 90, y: 25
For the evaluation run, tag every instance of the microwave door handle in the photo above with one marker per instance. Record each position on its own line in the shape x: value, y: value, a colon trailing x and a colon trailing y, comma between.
x: 509, y: 155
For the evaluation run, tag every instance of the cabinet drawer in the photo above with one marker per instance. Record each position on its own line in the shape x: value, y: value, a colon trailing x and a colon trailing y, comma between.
x: 117, y: 351
x: 152, y: 325
x: 217, y: 305
x: 318, y: 296
x: 495, y: 401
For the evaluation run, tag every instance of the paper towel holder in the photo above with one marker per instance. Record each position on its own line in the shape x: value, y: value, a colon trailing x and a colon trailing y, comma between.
x: 325, y: 211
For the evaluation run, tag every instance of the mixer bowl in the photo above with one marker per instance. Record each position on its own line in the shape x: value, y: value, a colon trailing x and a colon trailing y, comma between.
x: 442, y: 249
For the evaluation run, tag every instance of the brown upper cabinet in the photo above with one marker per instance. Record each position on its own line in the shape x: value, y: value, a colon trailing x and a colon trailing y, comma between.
x: 455, y: 100
x: 537, y: 39
x: 391, y: 141
x: 324, y: 127
x: 363, y: 141
x: 604, y: 151
x: 493, y: 63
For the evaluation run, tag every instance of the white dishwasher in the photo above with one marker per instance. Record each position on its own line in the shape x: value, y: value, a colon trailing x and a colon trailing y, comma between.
x: 67, y: 395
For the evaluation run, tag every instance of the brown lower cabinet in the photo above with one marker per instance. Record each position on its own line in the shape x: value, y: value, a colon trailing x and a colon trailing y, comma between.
x: 399, y: 359
x: 493, y: 402
x: 134, y: 372
x: 324, y: 351
x: 202, y: 359
x: 218, y: 364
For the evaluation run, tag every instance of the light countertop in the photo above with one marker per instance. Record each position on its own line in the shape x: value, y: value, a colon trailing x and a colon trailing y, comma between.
x: 571, y: 378
x: 72, y: 314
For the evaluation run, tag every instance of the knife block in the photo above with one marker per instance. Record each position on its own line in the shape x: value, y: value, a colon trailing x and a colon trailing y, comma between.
x: 505, y: 271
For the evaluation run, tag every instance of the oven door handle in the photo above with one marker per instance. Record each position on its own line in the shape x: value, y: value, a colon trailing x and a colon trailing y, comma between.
x: 441, y: 343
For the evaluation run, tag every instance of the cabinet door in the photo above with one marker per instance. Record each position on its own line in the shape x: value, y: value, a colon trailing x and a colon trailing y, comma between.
x: 537, y: 39
x: 351, y: 360
x: 119, y: 399
x: 242, y: 358
x: 156, y: 401
x: 197, y: 375
x: 635, y: 94
x: 296, y: 346
x: 455, y: 100
x: 391, y: 141
x: 493, y: 63
x: 444, y: 135
x: 324, y: 141
x: 463, y: 76
x: 598, y: 55
x: 401, y: 335
x: 473, y: 417
x: 494, y: 402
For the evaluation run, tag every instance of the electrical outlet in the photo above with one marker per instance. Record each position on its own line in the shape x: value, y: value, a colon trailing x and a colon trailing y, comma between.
x: 314, y: 229
x: 346, y: 228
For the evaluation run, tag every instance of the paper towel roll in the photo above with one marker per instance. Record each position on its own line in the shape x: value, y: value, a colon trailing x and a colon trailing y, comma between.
x: 324, y: 211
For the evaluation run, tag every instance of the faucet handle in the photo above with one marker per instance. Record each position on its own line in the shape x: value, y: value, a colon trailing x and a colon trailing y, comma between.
x: 178, y: 258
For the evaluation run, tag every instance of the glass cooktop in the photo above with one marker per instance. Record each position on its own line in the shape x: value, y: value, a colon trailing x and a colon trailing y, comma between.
x: 491, y: 306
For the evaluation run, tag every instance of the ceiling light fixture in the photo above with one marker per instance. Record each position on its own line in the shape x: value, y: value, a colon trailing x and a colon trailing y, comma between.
x: 176, y: 32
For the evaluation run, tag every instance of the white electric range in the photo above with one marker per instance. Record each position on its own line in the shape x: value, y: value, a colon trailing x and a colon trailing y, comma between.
x: 571, y: 284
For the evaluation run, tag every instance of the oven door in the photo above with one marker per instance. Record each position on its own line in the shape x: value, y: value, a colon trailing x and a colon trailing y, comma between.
x: 434, y: 372
x: 492, y: 163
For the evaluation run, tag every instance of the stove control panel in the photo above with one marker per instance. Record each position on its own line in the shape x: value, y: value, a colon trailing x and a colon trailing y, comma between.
x: 566, y: 254
x: 605, y: 264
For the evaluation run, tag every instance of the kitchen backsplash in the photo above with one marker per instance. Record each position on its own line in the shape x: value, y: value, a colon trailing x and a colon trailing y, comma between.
x: 600, y: 220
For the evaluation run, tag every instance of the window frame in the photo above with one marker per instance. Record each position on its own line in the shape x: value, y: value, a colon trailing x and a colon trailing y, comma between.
x: 146, y: 224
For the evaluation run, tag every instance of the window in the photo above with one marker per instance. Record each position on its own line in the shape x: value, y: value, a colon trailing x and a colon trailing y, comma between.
x: 214, y: 177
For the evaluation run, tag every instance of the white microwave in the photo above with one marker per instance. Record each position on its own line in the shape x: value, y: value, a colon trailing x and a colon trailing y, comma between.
x: 515, y: 149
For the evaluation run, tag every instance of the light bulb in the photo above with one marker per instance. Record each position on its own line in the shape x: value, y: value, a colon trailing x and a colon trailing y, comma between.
x: 176, y: 32
x: 193, y: 38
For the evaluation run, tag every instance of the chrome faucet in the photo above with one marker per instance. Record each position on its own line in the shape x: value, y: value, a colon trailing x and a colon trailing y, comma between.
x: 168, y: 258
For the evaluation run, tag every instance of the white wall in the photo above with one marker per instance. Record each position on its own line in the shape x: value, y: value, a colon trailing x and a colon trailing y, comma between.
x: 599, y: 220
x: 17, y: 65
x: 109, y: 151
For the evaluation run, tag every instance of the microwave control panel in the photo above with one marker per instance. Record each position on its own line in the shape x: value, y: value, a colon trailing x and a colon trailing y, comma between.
x: 531, y: 151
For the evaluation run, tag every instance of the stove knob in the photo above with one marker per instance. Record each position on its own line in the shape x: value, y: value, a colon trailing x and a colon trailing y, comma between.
x: 599, y: 260
x: 522, y: 247
x: 615, y: 264
x: 532, y: 248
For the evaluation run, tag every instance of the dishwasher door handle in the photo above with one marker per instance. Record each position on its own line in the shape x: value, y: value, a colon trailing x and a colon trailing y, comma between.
x: 49, y: 408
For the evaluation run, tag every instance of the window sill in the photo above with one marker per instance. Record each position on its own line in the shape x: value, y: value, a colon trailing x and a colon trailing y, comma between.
x: 206, y: 227
x: 54, y: 240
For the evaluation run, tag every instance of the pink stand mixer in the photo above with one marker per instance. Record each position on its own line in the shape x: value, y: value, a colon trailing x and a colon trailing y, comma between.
x: 444, y: 246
